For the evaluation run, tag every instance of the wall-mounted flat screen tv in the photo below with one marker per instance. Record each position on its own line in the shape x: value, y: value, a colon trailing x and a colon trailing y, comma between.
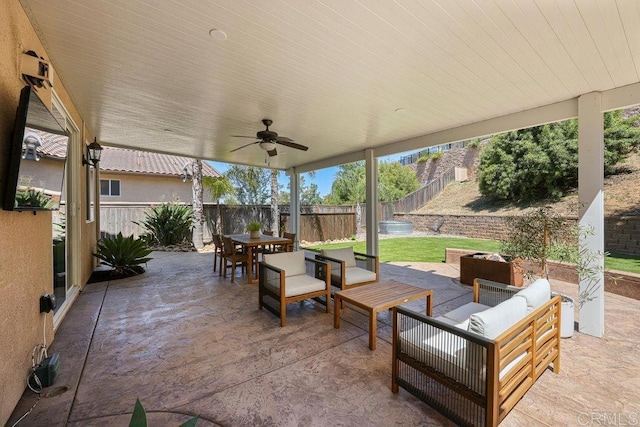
x: 37, y: 158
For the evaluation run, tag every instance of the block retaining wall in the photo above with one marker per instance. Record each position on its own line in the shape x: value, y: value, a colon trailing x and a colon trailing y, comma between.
x: 622, y: 234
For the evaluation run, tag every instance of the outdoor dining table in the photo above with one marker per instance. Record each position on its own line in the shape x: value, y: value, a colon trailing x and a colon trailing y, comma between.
x: 252, y: 245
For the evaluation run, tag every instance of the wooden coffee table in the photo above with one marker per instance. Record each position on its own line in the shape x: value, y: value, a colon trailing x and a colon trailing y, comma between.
x: 377, y: 297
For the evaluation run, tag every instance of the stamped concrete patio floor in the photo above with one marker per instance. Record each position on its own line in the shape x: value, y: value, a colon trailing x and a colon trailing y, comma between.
x: 187, y: 343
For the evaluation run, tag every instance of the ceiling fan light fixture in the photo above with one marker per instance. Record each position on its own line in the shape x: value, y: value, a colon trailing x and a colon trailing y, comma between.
x: 267, y: 145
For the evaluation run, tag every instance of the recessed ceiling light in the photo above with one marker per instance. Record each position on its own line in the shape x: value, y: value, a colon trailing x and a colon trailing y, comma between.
x: 218, y: 34
x: 399, y: 110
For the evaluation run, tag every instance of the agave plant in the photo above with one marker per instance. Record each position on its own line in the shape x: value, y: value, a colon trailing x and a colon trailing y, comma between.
x: 124, y: 254
x: 168, y: 224
x: 32, y: 198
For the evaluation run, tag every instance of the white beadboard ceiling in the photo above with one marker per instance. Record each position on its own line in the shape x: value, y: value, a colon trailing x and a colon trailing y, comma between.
x: 331, y: 73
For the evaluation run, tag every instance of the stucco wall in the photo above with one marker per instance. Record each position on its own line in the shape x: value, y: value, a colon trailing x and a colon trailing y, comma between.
x: 26, y: 239
x: 137, y: 188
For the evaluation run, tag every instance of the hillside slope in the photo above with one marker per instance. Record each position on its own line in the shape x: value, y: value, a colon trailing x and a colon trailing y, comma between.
x: 622, y: 197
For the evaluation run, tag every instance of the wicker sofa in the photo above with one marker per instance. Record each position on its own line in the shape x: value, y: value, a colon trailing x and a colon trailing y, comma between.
x: 475, y: 363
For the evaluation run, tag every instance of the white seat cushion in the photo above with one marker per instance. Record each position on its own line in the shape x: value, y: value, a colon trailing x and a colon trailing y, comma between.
x: 536, y: 294
x: 463, y: 313
x: 492, y: 322
x: 344, y: 254
x: 291, y: 262
x: 353, y: 275
x: 302, y: 284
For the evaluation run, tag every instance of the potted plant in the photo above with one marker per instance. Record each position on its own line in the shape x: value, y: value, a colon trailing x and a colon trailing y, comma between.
x: 254, y: 228
x: 539, y: 236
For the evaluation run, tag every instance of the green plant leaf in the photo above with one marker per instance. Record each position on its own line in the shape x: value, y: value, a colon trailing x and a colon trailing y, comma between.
x: 139, y: 417
x: 190, y: 423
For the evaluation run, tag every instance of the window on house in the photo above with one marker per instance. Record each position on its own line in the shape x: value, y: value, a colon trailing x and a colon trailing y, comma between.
x: 109, y: 187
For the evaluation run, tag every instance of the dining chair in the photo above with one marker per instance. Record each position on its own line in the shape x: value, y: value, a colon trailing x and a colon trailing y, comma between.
x: 233, y: 257
x: 218, y: 252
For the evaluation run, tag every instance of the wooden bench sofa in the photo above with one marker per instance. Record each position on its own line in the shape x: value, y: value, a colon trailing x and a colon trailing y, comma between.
x: 475, y: 363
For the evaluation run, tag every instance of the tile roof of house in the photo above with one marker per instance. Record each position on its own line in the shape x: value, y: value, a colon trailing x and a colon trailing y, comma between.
x: 144, y: 162
x: 48, y: 145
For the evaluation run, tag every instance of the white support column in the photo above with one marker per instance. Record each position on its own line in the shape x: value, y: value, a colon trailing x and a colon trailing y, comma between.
x: 294, y: 205
x: 591, y: 210
x: 371, y: 166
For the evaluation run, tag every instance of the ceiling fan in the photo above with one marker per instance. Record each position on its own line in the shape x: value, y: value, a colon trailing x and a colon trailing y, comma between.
x: 268, y: 139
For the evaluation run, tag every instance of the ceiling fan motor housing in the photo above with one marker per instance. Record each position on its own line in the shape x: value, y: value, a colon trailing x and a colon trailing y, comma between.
x: 267, y: 135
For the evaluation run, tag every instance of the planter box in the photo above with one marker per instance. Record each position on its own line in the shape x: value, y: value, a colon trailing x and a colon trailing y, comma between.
x: 503, y: 272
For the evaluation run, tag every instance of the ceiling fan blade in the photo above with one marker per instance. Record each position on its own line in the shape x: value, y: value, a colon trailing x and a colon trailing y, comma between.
x: 242, y: 136
x: 246, y: 145
x: 272, y: 153
x: 284, y: 138
x: 291, y: 144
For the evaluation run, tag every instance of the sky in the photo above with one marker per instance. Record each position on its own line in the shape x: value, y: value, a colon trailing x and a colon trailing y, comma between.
x: 323, y: 177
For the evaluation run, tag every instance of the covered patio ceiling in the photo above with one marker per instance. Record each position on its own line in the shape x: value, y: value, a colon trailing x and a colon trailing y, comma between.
x: 337, y: 76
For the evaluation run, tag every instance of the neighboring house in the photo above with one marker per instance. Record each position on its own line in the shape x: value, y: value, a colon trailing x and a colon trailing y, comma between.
x: 43, y: 159
x: 142, y: 177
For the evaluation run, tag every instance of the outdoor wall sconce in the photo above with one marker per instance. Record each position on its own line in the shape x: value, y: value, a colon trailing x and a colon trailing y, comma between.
x: 94, y: 150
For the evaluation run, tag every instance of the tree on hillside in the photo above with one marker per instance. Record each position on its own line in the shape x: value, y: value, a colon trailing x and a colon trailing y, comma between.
x: 348, y: 187
x: 251, y: 184
x: 220, y: 188
x: 542, y: 162
x: 395, y: 181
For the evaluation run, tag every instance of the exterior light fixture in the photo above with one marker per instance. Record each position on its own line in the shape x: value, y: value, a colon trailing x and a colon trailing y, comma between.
x: 94, y: 151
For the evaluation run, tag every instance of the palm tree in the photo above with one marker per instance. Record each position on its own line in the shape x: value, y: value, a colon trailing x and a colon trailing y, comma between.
x: 219, y: 187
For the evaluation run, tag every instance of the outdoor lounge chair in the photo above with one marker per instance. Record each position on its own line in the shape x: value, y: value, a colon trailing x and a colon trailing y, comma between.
x: 350, y: 269
x: 289, y: 277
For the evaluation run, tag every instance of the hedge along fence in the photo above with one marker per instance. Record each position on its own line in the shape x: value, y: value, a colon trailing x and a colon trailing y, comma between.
x: 622, y: 234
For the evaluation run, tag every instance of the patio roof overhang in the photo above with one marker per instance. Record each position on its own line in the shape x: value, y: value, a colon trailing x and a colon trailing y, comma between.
x: 331, y: 75
x: 351, y: 80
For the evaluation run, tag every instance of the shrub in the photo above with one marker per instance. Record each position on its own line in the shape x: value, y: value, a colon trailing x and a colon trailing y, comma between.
x: 437, y: 156
x: 168, y: 224
x: 473, y: 144
x: 33, y: 198
x: 423, y: 158
x: 124, y: 254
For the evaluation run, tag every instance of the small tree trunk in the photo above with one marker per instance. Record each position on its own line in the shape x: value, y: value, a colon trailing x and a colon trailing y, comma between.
x: 358, y: 218
x: 275, y: 212
x: 198, y: 209
x: 219, y: 219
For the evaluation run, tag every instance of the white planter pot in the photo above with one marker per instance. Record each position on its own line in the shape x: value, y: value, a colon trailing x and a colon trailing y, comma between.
x: 254, y: 234
x: 567, y: 317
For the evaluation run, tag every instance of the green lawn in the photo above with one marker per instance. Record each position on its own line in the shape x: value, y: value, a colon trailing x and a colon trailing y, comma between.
x: 432, y: 249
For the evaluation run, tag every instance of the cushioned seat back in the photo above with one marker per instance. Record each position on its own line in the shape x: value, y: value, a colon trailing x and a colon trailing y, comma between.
x: 494, y: 321
x: 536, y: 294
x: 291, y: 262
x: 344, y: 254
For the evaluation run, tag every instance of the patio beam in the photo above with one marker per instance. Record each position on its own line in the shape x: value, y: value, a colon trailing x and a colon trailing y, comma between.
x: 294, y: 205
x: 591, y: 213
